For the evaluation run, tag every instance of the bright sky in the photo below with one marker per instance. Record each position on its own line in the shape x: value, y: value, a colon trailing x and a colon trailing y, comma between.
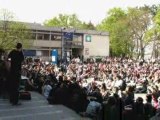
x: 86, y: 10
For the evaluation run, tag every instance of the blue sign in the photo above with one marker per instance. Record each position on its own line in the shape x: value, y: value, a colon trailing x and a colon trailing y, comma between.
x: 54, y: 56
x: 68, y: 36
x: 29, y: 52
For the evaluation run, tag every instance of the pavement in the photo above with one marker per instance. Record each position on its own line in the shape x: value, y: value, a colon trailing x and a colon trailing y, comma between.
x: 36, y: 109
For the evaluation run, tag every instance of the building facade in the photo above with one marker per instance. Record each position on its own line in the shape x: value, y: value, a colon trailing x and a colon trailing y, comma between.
x: 68, y: 42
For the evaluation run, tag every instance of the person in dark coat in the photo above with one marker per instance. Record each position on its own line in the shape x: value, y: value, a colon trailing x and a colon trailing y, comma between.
x: 110, y: 110
x: 16, y: 57
x: 139, y: 110
x: 150, y: 111
x: 3, y: 73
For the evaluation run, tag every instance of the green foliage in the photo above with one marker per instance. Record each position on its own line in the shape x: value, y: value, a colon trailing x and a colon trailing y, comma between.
x: 115, y: 24
x: 139, y: 21
x: 12, y: 32
x: 154, y: 9
x: 157, y: 18
x: 131, y: 30
x: 68, y: 21
x: 88, y: 26
x: 64, y: 21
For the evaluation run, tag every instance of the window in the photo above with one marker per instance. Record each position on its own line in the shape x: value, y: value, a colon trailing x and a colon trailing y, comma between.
x: 40, y: 36
x: 46, y: 36
x: 53, y: 37
x: 56, y: 37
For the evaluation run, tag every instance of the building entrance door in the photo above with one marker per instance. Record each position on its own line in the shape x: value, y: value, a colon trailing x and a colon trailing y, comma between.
x: 76, y: 52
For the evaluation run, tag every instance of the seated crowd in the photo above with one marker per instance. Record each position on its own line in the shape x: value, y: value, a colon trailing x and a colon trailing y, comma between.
x: 102, y: 90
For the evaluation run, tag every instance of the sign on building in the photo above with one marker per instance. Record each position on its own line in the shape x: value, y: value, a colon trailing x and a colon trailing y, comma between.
x: 54, y: 56
x: 88, y: 38
x: 86, y: 51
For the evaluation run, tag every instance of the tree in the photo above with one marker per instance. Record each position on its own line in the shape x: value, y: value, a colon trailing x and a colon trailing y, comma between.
x: 115, y: 24
x: 154, y: 33
x: 131, y: 31
x: 139, y: 21
x: 88, y: 26
x: 12, y: 31
x: 157, y: 18
x: 69, y: 21
x: 64, y: 20
x: 154, y: 9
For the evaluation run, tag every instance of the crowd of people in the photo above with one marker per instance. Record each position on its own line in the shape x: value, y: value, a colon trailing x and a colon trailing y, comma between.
x: 103, y: 90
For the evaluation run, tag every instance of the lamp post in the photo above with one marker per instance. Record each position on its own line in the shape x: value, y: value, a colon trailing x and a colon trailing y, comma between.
x: 62, y: 43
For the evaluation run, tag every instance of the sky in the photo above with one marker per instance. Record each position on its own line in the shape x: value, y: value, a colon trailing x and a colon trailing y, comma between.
x: 87, y: 10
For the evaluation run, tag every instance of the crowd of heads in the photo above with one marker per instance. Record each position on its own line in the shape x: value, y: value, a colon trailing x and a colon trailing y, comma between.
x: 115, y: 80
x: 104, y: 89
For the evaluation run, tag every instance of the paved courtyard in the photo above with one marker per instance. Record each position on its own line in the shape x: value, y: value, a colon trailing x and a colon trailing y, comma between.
x: 36, y: 109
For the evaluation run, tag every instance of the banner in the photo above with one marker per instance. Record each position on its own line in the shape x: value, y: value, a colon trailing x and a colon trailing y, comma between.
x: 54, y: 56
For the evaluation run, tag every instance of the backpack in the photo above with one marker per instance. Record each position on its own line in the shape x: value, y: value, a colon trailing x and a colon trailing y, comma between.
x: 25, y: 95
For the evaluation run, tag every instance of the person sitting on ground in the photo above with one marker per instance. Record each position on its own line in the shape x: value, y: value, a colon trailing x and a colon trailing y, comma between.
x: 149, y: 109
x: 47, y: 88
x: 139, y: 109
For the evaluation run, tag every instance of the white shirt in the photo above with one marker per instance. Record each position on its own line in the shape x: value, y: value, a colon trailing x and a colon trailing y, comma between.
x: 46, y: 90
x: 118, y: 83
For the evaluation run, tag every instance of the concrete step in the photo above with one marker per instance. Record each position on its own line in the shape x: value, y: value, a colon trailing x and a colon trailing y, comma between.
x: 36, y: 109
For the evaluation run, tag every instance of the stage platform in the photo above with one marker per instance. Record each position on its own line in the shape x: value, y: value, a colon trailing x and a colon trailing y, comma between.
x: 36, y: 109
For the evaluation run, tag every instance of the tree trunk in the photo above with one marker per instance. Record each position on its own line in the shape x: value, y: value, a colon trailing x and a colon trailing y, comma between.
x: 141, y: 50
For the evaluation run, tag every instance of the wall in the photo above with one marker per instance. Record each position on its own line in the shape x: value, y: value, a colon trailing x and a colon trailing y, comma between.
x: 44, y: 43
x: 98, y: 46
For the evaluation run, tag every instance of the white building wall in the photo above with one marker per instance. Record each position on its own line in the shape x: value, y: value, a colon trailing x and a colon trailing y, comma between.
x: 99, y: 46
